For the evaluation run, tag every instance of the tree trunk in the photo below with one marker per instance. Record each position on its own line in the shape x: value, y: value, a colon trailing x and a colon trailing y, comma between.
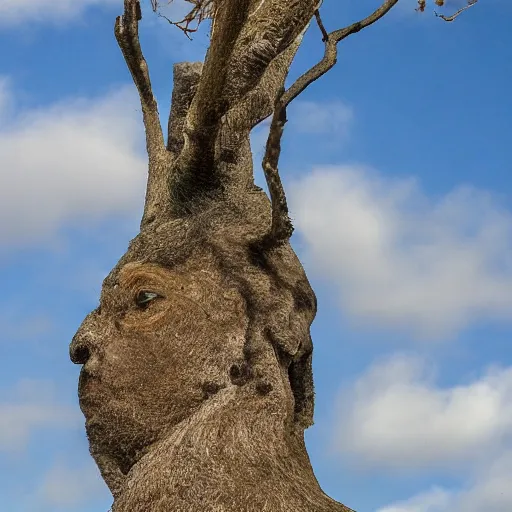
x: 197, y: 380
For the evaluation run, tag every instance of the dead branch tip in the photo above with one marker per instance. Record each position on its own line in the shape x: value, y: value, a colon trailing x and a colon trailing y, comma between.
x: 456, y: 14
x: 331, y: 41
x: 201, y: 10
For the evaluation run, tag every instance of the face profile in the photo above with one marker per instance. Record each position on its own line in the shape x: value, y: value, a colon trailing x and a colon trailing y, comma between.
x: 197, y: 380
x: 198, y: 367
x: 153, y: 351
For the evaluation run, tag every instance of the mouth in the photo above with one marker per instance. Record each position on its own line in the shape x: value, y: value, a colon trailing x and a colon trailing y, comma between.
x: 86, y: 383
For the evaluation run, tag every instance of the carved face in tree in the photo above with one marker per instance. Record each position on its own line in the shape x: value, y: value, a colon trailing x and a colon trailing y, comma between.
x: 155, y: 349
x: 179, y: 322
x: 197, y: 381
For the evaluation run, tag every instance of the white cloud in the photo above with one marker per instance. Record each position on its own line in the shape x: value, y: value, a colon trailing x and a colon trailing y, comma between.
x: 67, y: 487
x: 29, y: 407
x: 400, y: 260
x: 395, y: 416
x: 332, y: 117
x: 434, y: 500
x: 14, y: 12
x: 489, y: 489
x: 78, y: 160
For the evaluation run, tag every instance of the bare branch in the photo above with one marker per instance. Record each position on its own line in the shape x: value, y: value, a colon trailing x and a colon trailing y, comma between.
x: 331, y: 51
x: 127, y: 34
x: 193, y: 175
x: 455, y: 15
x: 281, y: 228
x: 258, y: 104
x: 262, y: 40
x: 325, y: 35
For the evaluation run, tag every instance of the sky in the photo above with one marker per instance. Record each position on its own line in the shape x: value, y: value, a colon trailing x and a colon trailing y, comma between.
x: 397, y: 165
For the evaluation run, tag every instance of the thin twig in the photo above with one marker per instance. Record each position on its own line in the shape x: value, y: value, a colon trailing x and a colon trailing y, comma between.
x: 331, y: 51
x: 178, y: 24
x: 202, y: 10
x: 455, y: 15
x: 325, y: 35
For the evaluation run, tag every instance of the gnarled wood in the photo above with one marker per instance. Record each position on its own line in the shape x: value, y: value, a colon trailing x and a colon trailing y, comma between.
x: 197, y: 380
x: 186, y: 79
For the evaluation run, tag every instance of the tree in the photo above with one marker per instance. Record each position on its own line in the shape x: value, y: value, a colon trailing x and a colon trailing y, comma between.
x: 197, y: 378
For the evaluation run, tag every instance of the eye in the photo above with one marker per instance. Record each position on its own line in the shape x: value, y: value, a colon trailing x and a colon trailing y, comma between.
x: 144, y: 297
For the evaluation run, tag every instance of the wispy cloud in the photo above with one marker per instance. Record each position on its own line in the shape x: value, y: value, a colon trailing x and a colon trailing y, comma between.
x: 29, y: 407
x: 401, y: 260
x: 396, y: 416
x: 433, y: 500
x: 330, y: 117
x: 16, y: 12
x: 488, y: 489
x: 76, y: 161
x: 18, y: 326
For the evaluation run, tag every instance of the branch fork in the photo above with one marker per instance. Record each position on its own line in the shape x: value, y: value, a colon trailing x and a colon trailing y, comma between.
x: 281, y: 227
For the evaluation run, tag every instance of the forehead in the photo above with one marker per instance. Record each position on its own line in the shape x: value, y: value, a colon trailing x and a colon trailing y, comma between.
x: 196, y: 270
x: 156, y: 254
x: 192, y: 245
x: 139, y: 271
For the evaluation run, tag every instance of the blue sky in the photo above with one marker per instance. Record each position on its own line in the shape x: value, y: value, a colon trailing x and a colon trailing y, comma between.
x: 397, y: 165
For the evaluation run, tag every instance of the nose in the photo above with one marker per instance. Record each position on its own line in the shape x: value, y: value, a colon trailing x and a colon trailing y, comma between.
x: 80, y: 346
x: 79, y: 353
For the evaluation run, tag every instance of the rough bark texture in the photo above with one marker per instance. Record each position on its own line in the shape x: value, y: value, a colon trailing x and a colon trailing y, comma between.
x: 197, y: 378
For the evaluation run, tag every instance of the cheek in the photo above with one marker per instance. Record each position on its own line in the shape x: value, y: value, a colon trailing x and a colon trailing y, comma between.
x: 153, y: 389
x: 143, y: 364
x: 131, y: 357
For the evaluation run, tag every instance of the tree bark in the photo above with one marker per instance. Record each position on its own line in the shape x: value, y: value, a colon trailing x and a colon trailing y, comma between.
x: 197, y: 380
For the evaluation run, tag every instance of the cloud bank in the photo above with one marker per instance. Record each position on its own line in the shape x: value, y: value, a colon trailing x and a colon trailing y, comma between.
x: 489, y: 490
x: 395, y: 415
x: 16, y: 12
x: 331, y: 117
x: 76, y: 161
x: 400, y: 260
